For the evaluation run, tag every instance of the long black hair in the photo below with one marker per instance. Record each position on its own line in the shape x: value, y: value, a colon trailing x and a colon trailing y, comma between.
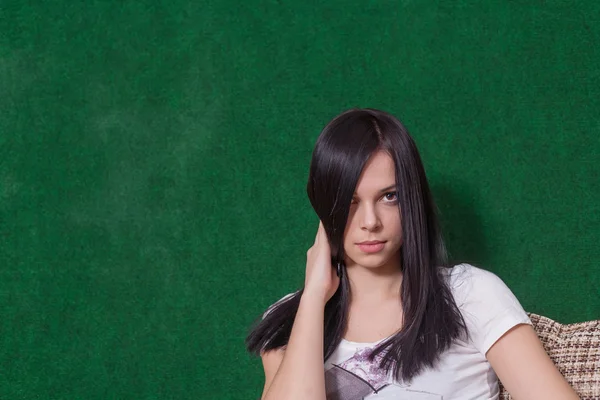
x: 432, y: 320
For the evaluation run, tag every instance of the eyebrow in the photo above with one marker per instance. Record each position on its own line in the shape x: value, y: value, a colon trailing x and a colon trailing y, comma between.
x: 385, y: 189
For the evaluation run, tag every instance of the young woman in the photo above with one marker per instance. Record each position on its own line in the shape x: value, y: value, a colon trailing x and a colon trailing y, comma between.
x: 382, y: 314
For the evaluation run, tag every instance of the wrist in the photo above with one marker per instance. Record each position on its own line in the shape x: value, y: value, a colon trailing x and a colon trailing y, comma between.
x: 313, y: 297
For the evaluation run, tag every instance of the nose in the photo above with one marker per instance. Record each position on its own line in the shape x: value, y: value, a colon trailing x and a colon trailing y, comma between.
x: 369, y: 219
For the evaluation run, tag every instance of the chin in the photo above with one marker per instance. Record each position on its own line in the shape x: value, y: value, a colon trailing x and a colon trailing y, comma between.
x: 370, y: 262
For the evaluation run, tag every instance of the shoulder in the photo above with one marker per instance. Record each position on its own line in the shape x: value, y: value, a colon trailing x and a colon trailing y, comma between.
x: 468, y: 282
x: 463, y: 272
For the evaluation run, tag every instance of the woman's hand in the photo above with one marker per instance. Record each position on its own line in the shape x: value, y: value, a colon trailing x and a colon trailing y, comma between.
x: 321, y: 277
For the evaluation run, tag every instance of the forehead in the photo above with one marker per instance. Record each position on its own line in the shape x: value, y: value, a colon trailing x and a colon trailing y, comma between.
x: 378, y: 173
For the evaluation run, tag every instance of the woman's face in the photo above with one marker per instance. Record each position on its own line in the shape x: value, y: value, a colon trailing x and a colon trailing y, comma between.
x: 374, y: 216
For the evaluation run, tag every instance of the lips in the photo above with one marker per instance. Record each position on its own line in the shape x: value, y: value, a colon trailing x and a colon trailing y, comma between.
x: 371, y: 246
x: 372, y: 242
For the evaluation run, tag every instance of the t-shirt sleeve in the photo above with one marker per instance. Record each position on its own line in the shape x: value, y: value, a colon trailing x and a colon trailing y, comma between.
x: 489, y: 307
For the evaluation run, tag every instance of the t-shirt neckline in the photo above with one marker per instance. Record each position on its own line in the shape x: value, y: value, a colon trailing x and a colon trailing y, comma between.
x: 364, y: 344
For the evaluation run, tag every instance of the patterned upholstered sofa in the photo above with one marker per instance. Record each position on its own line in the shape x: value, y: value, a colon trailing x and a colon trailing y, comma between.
x: 575, y: 350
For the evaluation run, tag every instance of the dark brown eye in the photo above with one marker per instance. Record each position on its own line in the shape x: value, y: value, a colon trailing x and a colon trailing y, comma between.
x: 394, y: 196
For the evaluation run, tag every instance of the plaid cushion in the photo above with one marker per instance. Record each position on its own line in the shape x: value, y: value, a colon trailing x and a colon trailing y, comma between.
x: 574, y: 349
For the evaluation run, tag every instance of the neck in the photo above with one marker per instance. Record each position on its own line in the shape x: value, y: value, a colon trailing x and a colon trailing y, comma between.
x: 374, y: 284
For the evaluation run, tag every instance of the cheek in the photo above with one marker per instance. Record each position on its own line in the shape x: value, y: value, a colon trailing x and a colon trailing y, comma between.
x: 348, y: 239
x: 394, y: 229
x: 349, y: 225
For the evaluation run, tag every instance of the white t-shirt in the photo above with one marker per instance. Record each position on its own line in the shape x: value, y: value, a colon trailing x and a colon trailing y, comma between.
x: 490, y: 309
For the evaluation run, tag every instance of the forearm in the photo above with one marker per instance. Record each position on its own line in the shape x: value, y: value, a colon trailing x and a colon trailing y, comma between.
x: 301, y: 373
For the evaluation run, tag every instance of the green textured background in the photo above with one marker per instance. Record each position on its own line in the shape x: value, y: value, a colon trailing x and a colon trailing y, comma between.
x: 154, y: 157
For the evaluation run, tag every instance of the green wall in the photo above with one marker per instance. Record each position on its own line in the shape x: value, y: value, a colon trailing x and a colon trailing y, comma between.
x: 154, y: 156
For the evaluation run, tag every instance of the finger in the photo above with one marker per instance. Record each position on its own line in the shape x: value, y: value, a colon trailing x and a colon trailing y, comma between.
x: 322, y: 234
x: 317, y: 234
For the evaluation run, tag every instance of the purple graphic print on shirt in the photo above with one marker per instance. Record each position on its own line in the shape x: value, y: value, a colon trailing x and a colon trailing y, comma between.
x: 355, y: 378
x: 360, y: 365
